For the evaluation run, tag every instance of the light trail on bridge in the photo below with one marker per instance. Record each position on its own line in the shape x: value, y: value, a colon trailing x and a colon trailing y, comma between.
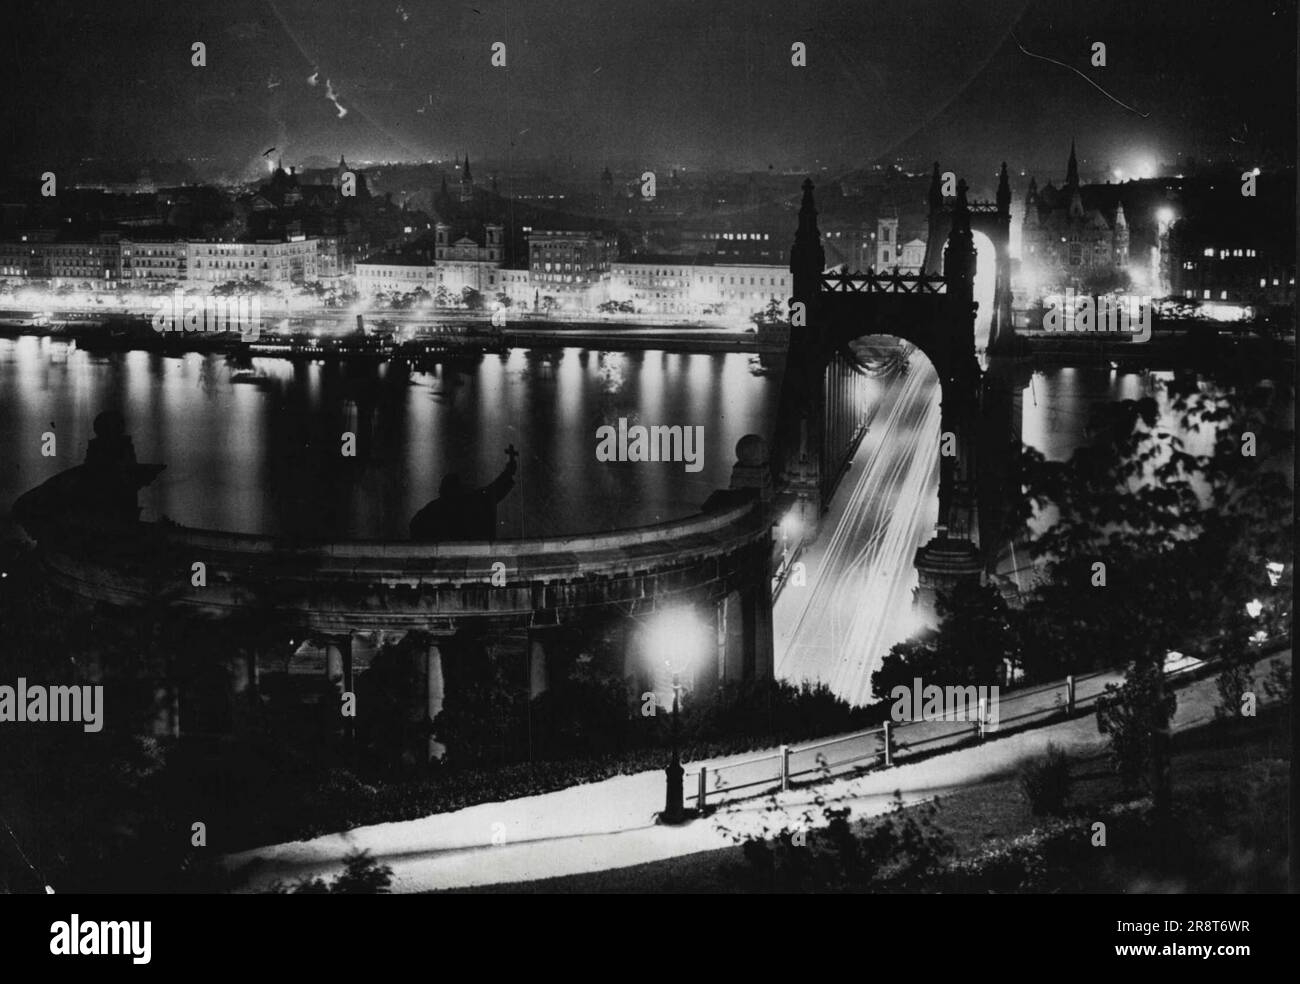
x: 858, y: 601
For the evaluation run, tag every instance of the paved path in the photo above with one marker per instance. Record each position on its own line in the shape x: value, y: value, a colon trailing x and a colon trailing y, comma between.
x: 608, y: 824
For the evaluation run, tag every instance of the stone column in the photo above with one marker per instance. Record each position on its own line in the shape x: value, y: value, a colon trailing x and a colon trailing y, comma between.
x: 338, y: 666
x: 334, y: 663
x: 239, y: 681
x: 364, y: 647
x: 758, y: 648
x: 764, y: 648
x: 434, y: 691
x: 237, y: 665
x: 633, y: 658
x: 712, y: 667
x: 720, y: 640
x: 415, y: 708
x: 537, y: 675
x: 733, y: 657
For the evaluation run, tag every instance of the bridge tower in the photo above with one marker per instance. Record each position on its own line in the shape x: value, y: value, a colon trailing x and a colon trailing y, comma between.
x: 934, y: 312
x: 953, y: 554
x: 1002, y: 331
x: 994, y: 220
x: 937, y: 221
x: 802, y: 412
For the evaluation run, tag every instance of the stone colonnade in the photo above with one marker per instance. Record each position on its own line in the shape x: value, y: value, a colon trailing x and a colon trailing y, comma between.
x: 739, y: 624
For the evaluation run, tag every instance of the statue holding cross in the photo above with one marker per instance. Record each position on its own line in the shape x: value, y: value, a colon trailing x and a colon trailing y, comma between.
x: 460, y: 513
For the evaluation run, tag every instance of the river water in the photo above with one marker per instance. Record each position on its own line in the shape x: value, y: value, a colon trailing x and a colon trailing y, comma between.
x: 266, y: 456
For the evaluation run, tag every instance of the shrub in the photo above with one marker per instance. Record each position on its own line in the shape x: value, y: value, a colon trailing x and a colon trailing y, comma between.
x: 898, y: 852
x: 907, y: 849
x: 1046, y: 782
x: 1278, y: 684
x: 1131, y: 714
x: 1233, y: 683
x: 361, y: 875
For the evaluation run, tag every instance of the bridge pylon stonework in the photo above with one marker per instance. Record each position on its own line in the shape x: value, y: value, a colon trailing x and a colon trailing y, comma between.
x: 933, y: 311
x: 993, y: 219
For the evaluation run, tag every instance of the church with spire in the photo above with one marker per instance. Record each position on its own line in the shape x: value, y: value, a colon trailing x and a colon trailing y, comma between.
x: 1074, y: 235
x: 466, y: 183
x: 460, y: 200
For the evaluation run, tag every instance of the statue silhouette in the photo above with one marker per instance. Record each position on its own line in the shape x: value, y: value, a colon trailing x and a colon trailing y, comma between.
x: 111, y: 469
x: 464, y: 514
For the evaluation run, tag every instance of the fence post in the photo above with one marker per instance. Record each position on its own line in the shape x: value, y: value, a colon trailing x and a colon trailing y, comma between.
x: 703, y: 791
x: 889, y: 751
x: 983, y: 716
x: 785, y: 767
x: 1069, y: 695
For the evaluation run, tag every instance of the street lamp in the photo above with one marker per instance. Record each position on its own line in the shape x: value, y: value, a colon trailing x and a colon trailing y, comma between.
x: 789, y: 528
x: 674, y: 812
x: 675, y: 638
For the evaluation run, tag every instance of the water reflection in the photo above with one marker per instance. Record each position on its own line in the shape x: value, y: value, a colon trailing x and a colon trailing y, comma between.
x: 269, y: 457
x: 1058, y: 405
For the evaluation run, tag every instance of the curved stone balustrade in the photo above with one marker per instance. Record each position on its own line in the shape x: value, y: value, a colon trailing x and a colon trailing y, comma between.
x: 361, y: 585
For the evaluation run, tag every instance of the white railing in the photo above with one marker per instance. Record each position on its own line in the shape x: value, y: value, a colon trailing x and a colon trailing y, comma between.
x: 883, y: 746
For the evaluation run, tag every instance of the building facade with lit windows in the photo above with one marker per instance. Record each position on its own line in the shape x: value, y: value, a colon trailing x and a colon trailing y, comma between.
x: 518, y: 286
x: 42, y: 260
x: 394, y: 273
x: 98, y: 264
x: 743, y: 288
x: 738, y: 243
x: 108, y: 263
x: 572, y: 267
x: 276, y: 263
x: 336, y: 257
x: 848, y: 243
x: 1228, y: 267
x: 698, y: 285
x: 655, y: 285
x: 22, y: 261
x: 147, y: 264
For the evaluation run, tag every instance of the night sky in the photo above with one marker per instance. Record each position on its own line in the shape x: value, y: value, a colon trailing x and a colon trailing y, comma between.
x: 688, y: 82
